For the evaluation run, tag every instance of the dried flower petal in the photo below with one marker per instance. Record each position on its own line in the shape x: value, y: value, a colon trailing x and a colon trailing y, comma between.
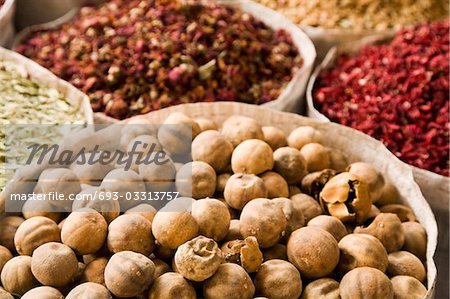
x: 397, y: 93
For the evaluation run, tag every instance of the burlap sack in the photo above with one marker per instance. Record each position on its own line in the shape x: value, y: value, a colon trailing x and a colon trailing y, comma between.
x: 7, y: 23
x: 291, y: 99
x: 434, y: 187
x: 358, y: 147
x: 43, y: 76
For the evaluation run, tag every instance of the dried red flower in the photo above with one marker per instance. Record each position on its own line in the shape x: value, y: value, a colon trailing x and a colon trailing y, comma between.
x: 153, y: 54
x: 397, y: 93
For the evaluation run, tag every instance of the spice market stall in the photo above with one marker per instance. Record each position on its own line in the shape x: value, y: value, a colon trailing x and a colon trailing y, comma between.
x: 266, y: 204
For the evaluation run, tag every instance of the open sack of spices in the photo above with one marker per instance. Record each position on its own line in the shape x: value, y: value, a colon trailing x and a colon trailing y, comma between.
x: 273, y: 205
x: 7, y: 10
x: 133, y: 57
x: 397, y: 91
x: 332, y: 22
x: 32, y: 95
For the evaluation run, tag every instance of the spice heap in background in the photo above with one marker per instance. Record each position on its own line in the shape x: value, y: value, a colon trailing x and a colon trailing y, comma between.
x: 397, y: 93
x: 282, y: 197
x: 360, y: 14
x: 132, y: 57
x: 24, y: 101
x: 2, y: 2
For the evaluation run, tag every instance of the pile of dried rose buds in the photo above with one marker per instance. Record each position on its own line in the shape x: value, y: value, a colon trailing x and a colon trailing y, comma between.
x: 397, y: 93
x: 132, y: 57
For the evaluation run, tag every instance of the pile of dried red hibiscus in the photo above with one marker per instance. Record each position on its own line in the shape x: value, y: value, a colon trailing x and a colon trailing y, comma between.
x: 398, y: 93
x: 135, y: 56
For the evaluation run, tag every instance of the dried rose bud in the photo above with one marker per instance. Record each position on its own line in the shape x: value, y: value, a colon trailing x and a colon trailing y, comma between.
x: 346, y: 197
